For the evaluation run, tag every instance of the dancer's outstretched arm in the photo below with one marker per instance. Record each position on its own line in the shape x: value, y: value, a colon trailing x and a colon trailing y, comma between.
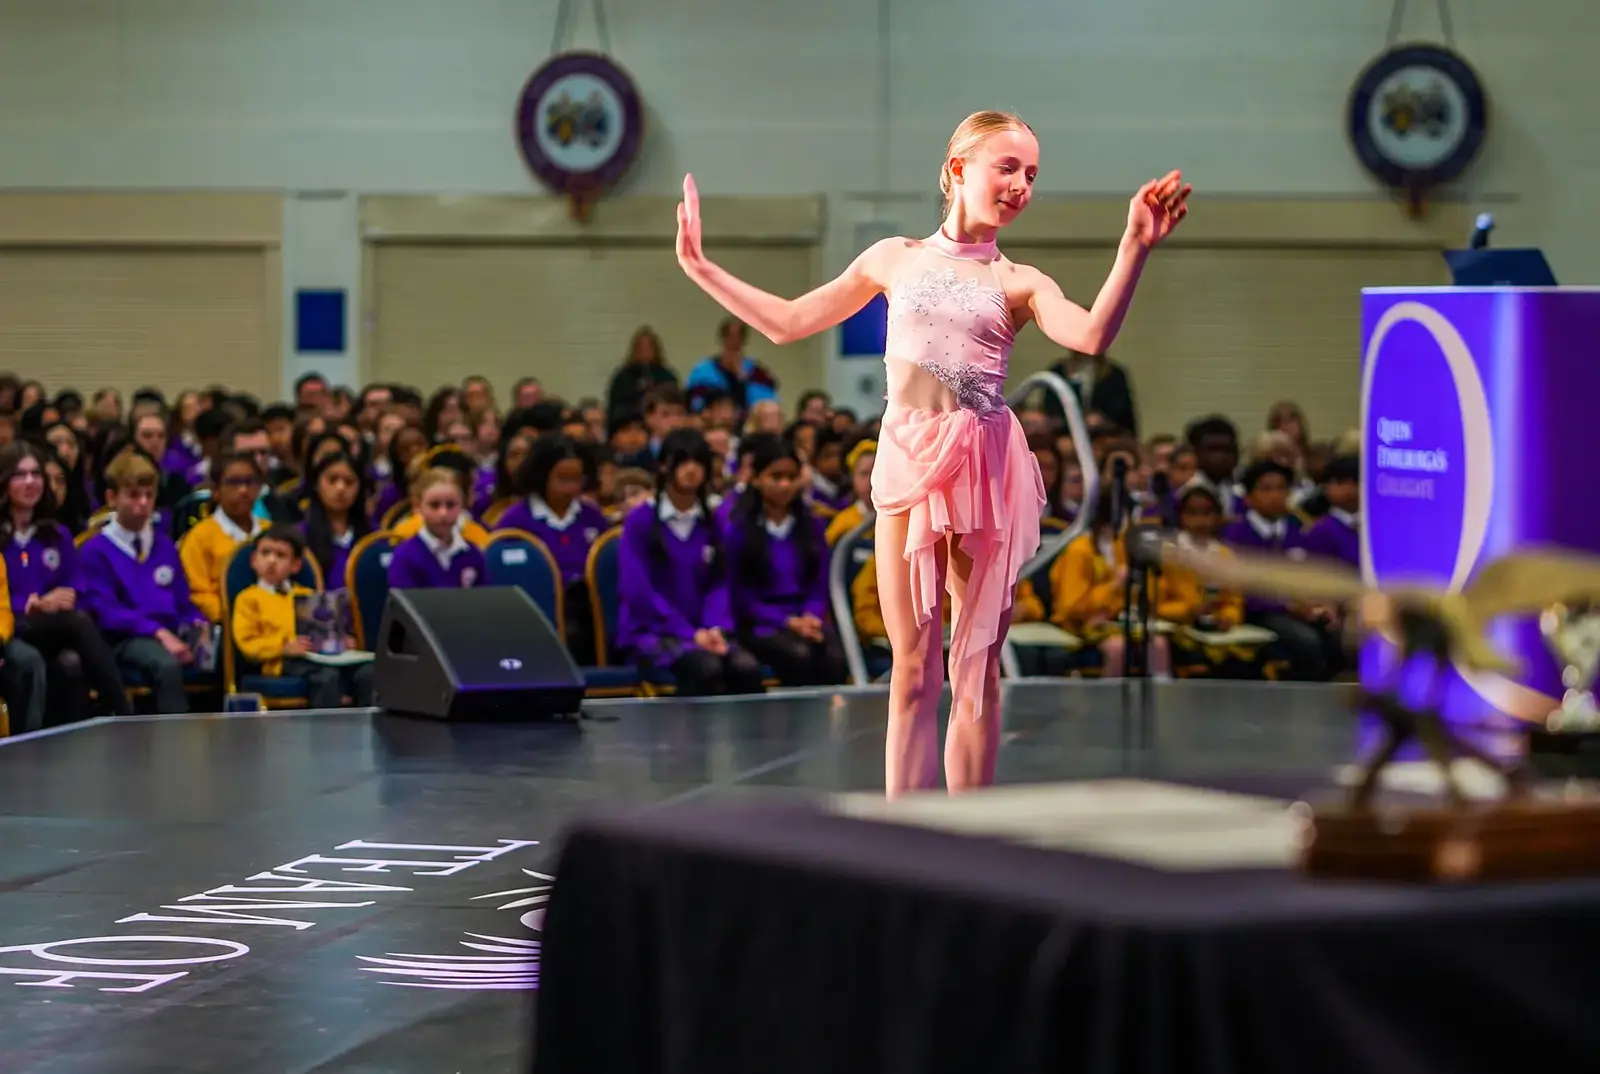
x: 1152, y: 214
x: 782, y: 320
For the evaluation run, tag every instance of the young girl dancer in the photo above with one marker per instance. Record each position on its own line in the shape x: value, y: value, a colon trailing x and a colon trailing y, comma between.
x: 958, y: 495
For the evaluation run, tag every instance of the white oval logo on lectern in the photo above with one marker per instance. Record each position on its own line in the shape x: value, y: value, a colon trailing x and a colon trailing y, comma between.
x: 510, y: 663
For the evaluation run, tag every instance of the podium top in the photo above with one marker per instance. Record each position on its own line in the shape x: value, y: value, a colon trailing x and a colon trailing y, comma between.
x: 1448, y: 289
x: 1499, y: 268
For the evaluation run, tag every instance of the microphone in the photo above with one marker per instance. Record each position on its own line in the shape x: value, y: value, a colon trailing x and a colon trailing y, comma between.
x: 1161, y: 489
x: 1480, y: 231
x: 1119, y: 488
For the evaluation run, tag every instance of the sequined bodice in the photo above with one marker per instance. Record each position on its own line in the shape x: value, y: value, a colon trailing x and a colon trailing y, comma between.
x: 948, y: 318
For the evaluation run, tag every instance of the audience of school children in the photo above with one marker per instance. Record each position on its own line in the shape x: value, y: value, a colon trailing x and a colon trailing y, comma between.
x: 122, y: 518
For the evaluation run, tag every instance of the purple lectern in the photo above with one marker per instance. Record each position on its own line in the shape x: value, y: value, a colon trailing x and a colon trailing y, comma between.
x: 1480, y: 414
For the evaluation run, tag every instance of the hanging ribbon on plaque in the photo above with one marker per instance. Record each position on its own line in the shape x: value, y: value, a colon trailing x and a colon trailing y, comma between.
x: 580, y: 119
x: 1417, y: 115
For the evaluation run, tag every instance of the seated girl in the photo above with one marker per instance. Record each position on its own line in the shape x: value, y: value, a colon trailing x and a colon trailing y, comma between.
x: 554, y: 478
x: 407, y: 443
x: 831, y: 490
x: 460, y: 468
x: 1087, y: 584
x: 676, y: 612
x: 778, y: 556
x: 1187, y: 599
x: 54, y: 653
x: 1184, y: 597
x: 438, y: 557
x: 335, y: 515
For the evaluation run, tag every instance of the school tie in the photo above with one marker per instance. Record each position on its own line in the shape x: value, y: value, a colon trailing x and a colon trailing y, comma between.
x: 140, y: 543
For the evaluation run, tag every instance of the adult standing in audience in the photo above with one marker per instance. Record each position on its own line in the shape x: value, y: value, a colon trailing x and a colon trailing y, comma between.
x: 644, y: 368
x: 1101, y: 385
x: 731, y: 370
x: 526, y: 393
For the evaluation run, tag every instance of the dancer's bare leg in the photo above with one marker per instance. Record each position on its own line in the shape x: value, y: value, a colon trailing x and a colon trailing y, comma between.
x: 972, y: 746
x: 916, y: 678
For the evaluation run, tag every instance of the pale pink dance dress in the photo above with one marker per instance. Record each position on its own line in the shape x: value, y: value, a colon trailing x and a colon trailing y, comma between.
x: 952, y: 454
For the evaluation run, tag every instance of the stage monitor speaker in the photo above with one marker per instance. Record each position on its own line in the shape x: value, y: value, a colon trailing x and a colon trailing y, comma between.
x: 473, y: 654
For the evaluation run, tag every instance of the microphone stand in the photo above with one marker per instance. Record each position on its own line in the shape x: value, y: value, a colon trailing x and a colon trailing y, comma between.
x: 1134, y: 581
x: 1141, y: 549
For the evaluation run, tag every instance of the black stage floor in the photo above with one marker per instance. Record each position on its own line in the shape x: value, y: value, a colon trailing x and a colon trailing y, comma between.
x: 355, y: 892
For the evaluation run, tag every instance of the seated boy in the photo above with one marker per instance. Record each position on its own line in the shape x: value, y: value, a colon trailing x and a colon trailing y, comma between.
x: 206, y: 549
x: 134, y: 587
x: 1268, y: 527
x: 1337, y: 534
x: 264, y: 625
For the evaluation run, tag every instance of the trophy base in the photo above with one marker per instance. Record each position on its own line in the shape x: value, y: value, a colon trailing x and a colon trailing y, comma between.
x: 1508, y: 839
x: 1565, y: 754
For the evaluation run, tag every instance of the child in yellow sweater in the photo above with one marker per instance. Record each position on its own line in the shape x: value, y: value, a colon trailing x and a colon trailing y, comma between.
x: 1184, y: 597
x: 1026, y: 606
x: 1087, y: 586
x: 206, y: 549
x: 264, y: 626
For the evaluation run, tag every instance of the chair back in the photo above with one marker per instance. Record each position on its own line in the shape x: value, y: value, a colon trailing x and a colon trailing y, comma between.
x: 849, y: 556
x: 491, y: 514
x: 395, y: 513
x: 367, y: 579
x: 602, y: 573
x: 190, y: 511
x: 516, y: 557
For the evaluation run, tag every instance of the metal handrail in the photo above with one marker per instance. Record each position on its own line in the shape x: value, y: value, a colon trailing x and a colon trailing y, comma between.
x: 844, y: 619
x: 1057, y: 385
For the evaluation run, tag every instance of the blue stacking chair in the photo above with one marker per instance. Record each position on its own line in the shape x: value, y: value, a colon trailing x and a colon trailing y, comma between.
x: 601, y: 572
x: 605, y: 588
x: 240, y: 675
x: 366, y: 576
x: 519, y: 558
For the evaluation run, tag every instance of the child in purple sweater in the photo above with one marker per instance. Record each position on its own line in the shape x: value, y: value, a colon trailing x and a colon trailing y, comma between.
x: 438, y: 557
x: 676, y: 611
x: 134, y: 586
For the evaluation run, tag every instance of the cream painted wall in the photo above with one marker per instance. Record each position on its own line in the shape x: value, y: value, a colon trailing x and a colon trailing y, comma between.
x: 358, y: 96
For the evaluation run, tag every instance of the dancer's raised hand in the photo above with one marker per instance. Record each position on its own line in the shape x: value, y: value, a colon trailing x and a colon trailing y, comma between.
x: 690, y: 255
x: 1156, y: 209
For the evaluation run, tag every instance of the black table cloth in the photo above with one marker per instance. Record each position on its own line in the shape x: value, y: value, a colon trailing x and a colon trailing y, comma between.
x: 777, y: 939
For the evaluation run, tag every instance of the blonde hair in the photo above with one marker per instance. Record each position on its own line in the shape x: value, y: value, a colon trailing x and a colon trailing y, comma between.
x: 973, y: 132
x: 436, y: 475
x: 1275, y: 445
x: 1287, y: 410
x: 131, y: 470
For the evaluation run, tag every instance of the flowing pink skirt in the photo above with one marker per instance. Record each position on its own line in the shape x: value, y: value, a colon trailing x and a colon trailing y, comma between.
x: 962, y: 472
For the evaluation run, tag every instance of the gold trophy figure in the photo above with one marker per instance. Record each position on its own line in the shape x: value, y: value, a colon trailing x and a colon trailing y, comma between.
x: 1573, y: 635
x: 1521, y: 834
